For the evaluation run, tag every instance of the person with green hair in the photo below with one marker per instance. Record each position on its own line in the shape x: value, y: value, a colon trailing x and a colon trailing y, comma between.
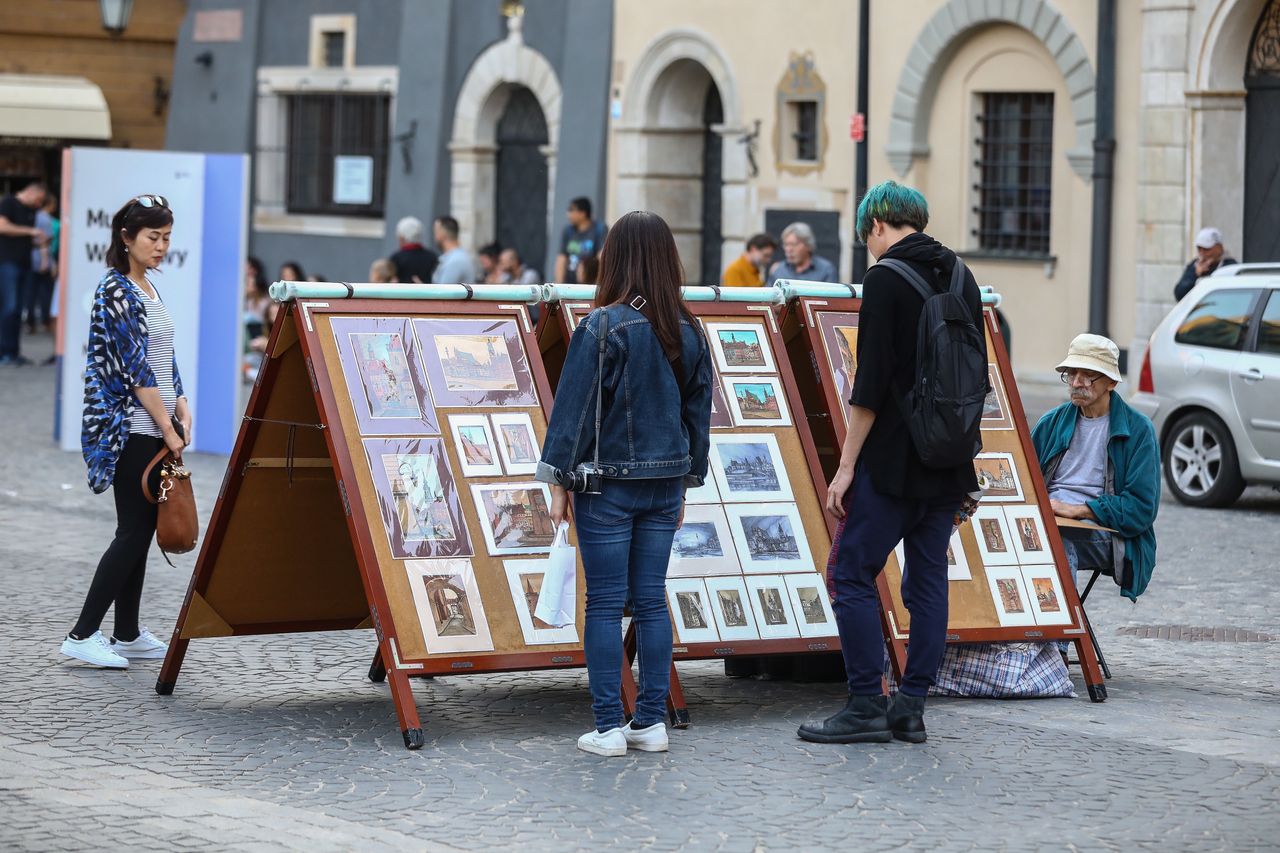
x: 883, y: 492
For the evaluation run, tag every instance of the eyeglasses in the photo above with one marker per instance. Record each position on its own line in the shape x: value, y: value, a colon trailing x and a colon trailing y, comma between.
x: 150, y: 201
x: 1067, y: 375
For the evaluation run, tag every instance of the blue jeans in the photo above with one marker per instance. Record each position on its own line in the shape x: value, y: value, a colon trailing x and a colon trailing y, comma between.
x: 625, y: 535
x: 875, y: 525
x: 13, y: 297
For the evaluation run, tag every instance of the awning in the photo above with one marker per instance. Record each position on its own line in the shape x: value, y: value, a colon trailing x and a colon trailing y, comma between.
x: 48, y: 107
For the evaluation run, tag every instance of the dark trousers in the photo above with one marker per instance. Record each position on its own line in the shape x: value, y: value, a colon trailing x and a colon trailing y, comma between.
x: 13, y: 296
x: 39, y: 299
x: 876, y: 523
x: 124, y: 565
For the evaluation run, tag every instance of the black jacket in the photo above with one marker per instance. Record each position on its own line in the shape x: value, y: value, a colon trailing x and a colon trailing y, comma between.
x: 414, y: 261
x: 1189, y: 277
x: 888, y: 325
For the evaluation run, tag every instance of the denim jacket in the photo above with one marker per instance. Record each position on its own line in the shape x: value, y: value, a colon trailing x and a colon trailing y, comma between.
x: 645, y: 433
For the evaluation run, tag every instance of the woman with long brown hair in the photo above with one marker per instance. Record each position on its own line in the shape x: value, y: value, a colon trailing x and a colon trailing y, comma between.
x: 638, y: 376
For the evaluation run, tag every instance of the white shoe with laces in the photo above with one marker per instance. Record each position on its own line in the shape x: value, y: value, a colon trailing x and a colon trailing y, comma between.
x: 94, y: 649
x: 610, y: 743
x: 147, y: 647
x: 649, y: 739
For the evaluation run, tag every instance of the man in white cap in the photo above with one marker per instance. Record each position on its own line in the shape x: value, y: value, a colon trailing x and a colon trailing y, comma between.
x: 1101, y: 463
x: 1210, y: 255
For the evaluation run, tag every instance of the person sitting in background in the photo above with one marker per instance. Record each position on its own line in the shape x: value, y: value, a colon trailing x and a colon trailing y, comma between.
x: 1210, y: 254
x: 490, y: 269
x: 515, y: 271
x: 259, y: 344
x: 588, y: 270
x: 750, y: 268
x: 801, y: 260
x: 456, y: 264
x: 292, y: 271
x: 414, y: 263
x: 256, y: 297
x: 382, y: 271
x: 1101, y: 463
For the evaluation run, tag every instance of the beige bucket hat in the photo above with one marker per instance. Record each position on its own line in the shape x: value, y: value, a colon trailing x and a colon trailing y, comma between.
x: 1096, y: 353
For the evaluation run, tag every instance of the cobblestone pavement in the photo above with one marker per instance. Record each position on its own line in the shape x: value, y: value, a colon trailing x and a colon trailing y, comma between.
x: 281, y: 742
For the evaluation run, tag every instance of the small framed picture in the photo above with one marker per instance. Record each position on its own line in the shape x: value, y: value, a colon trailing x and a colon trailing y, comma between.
x: 757, y: 401
x: 772, y: 606
x: 811, y: 606
x: 995, y: 410
x: 524, y: 579
x: 703, y: 545
x: 957, y: 560
x: 1044, y: 591
x: 473, y: 441
x: 748, y: 467
x: 1001, y: 476
x: 721, y: 417
x: 995, y: 541
x: 515, y: 517
x: 1029, y: 540
x: 770, y: 538
x: 449, y: 607
x: 691, y: 611
x: 1010, y: 595
x: 741, y: 348
x: 517, y: 442
x: 731, y: 608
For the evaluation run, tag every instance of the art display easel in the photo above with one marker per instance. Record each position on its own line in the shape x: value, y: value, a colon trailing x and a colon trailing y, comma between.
x: 1009, y: 576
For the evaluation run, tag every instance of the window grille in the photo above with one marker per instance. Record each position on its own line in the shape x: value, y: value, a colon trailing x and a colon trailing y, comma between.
x: 804, y: 124
x: 335, y: 49
x: 1014, y: 172
x: 322, y: 126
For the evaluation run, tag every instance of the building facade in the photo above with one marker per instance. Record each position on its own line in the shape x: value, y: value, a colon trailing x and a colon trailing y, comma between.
x: 360, y: 112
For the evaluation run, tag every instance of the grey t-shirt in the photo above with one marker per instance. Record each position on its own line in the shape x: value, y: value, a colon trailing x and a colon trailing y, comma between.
x: 456, y: 266
x: 1082, y: 472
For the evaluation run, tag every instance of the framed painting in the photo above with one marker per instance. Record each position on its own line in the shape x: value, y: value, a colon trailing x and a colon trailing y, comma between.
x: 769, y: 538
x: 731, y: 608
x: 418, y: 498
x: 740, y: 348
x: 1029, y: 539
x: 515, y: 518
x: 1010, y: 596
x: 475, y: 363
x: 691, y: 611
x: 811, y: 606
x: 703, y: 545
x: 524, y: 580
x: 749, y: 467
x: 1044, y: 591
x: 757, y: 401
x: 384, y: 376
x: 517, y: 442
x: 449, y: 606
x: 995, y: 540
x: 772, y: 606
x: 474, y: 444
x: 1000, y: 474
x: 721, y: 415
x: 995, y: 409
x: 840, y: 344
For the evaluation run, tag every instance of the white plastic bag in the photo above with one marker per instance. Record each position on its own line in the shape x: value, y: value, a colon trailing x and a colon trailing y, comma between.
x: 558, y: 599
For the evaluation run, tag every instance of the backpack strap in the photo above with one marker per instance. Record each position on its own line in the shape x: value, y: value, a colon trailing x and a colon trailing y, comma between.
x: 957, y: 278
x: 912, y: 277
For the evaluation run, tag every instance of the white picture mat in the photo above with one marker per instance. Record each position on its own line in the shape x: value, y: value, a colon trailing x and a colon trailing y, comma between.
x: 990, y: 557
x: 1029, y: 512
x: 735, y: 409
x: 715, y: 586
x: 691, y: 587
x: 1045, y: 574
x: 767, y: 631
x: 477, y: 494
x: 769, y: 565
x: 520, y: 421
x: 782, y: 493
x: 958, y: 572
x: 1013, y: 574
x: 707, y: 493
x: 717, y: 347
x: 460, y: 570
x: 999, y: 456
x: 826, y: 628
x: 533, y: 635
x: 692, y: 567
x: 469, y: 469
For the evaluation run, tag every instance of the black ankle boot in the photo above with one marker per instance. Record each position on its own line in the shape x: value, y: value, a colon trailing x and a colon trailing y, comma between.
x: 863, y: 720
x: 906, y: 718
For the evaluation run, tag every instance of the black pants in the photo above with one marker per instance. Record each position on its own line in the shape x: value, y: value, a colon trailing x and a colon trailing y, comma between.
x: 124, y: 565
x: 39, y: 299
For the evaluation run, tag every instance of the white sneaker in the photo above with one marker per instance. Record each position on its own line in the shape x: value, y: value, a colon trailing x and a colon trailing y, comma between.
x: 95, y: 650
x: 611, y: 743
x: 649, y: 739
x: 147, y: 647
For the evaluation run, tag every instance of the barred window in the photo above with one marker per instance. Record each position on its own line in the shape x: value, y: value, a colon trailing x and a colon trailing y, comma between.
x: 1013, y: 167
x: 802, y: 119
x: 337, y: 153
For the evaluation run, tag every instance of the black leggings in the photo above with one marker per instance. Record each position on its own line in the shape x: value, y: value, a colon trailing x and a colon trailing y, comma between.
x: 123, y: 566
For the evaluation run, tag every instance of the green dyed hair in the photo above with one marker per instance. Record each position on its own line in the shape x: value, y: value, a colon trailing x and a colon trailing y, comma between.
x: 893, y: 204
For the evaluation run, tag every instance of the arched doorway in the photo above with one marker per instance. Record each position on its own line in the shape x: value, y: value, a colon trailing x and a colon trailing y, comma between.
x: 712, y: 186
x: 1262, y: 129
x: 520, y: 188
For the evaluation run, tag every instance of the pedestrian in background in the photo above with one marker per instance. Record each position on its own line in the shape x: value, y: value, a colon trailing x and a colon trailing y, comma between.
x: 256, y: 297
x: 134, y: 408
x: 490, y: 269
x: 581, y: 238
x: 292, y: 271
x: 1210, y: 254
x: 44, y: 269
x: 656, y: 370
x: 18, y: 236
x: 589, y: 270
x: 751, y: 267
x: 382, y: 271
x: 456, y: 265
x: 415, y: 263
x: 800, y: 258
x: 515, y: 270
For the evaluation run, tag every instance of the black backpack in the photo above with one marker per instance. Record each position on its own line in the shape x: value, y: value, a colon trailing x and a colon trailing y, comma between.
x: 943, y: 410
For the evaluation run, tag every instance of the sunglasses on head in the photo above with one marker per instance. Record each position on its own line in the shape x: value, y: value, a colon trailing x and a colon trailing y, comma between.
x: 149, y: 201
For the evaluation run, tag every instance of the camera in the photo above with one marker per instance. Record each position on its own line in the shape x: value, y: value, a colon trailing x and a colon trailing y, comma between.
x: 586, y: 479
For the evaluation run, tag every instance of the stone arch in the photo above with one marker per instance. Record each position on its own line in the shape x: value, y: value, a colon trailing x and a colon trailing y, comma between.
x: 483, y: 97
x: 938, y: 41
x: 1218, y: 61
x: 653, y: 77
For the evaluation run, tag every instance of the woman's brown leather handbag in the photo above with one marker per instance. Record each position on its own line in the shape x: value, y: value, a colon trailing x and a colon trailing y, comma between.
x: 177, y: 527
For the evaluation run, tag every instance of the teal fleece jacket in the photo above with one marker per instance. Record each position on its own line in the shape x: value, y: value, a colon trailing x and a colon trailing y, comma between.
x: 1131, y: 497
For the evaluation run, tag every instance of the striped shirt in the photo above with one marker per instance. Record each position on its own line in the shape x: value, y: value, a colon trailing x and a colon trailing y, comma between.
x: 160, y: 360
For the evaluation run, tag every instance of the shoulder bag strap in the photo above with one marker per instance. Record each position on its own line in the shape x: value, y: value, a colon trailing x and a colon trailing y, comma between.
x: 146, y: 475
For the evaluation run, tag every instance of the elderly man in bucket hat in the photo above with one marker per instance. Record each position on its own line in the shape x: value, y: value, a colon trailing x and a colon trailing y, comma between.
x: 1102, y: 465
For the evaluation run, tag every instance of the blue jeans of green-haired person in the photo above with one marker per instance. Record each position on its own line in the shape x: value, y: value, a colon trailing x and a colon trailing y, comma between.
x: 625, y: 534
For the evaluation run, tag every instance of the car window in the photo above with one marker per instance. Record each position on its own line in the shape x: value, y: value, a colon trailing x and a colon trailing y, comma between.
x: 1220, y: 320
x: 1269, y: 330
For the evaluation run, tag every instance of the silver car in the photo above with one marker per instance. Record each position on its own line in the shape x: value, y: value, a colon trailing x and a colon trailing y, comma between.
x: 1210, y: 381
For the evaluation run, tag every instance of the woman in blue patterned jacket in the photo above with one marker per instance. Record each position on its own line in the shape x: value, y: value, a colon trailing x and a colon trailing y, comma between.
x: 133, y: 408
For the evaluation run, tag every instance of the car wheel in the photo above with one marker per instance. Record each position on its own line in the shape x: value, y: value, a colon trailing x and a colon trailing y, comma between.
x: 1200, y: 462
